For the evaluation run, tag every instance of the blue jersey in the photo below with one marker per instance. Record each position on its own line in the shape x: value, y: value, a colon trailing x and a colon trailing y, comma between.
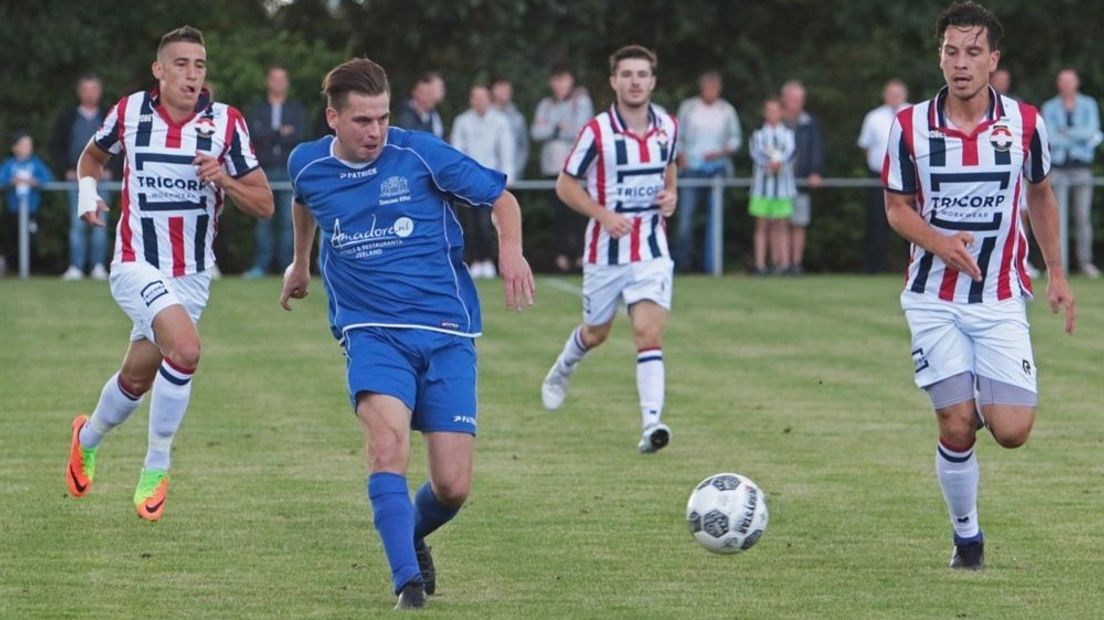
x: 392, y: 248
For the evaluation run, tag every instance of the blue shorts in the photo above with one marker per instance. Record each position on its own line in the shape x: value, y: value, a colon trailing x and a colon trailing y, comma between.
x: 433, y: 374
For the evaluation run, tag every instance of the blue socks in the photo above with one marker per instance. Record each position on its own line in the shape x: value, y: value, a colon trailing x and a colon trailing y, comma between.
x: 394, y: 519
x: 429, y: 514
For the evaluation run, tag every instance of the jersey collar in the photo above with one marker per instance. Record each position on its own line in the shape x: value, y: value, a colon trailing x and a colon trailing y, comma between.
x: 620, y: 126
x: 202, y: 104
x: 937, y: 116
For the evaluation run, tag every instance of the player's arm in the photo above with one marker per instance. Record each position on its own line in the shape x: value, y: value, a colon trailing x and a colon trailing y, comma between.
x: 574, y: 196
x: 90, y: 168
x: 667, y: 198
x: 1044, y: 222
x: 953, y: 249
x: 250, y: 192
x: 297, y: 274
x: 517, y: 277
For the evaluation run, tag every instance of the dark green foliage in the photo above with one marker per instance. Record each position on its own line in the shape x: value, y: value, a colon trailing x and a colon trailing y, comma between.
x: 844, y: 50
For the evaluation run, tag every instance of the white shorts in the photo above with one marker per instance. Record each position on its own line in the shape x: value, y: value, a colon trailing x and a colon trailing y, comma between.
x: 989, y: 340
x: 605, y: 285
x: 142, y: 291
x: 802, y: 210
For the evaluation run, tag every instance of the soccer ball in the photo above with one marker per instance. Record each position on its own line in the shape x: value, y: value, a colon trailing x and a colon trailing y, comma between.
x: 727, y: 513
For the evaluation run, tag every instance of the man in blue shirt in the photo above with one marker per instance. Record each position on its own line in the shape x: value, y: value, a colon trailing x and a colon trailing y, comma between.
x: 401, y: 301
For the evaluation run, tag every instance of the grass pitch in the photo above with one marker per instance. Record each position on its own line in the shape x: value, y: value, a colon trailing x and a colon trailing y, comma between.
x: 802, y: 384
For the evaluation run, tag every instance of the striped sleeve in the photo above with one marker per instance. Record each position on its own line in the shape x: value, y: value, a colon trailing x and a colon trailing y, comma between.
x: 109, y: 136
x: 238, y: 157
x: 1037, y: 152
x: 755, y: 148
x: 899, y: 167
x: 585, y: 152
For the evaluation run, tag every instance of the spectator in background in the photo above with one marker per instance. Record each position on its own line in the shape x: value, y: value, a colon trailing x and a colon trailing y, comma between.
x: 773, y: 147
x: 276, y: 125
x: 71, y: 132
x: 808, y: 164
x: 558, y: 120
x: 709, y: 135
x: 873, y: 139
x: 483, y: 133
x: 1001, y: 81
x: 502, y: 95
x: 22, y: 174
x: 1073, y: 122
x: 419, y: 112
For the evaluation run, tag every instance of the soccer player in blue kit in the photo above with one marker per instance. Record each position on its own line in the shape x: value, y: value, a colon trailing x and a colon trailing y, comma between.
x: 401, y: 301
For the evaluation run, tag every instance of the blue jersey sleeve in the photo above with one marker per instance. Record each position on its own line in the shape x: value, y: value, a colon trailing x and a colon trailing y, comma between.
x: 456, y: 174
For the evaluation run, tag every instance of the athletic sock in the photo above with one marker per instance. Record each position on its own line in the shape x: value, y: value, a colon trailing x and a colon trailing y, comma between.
x: 957, y: 469
x: 172, y: 389
x: 574, y: 350
x: 393, y: 515
x: 429, y: 514
x: 116, y: 404
x: 650, y: 380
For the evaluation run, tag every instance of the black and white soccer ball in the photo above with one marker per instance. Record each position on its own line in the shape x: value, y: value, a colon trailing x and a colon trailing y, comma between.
x: 727, y: 513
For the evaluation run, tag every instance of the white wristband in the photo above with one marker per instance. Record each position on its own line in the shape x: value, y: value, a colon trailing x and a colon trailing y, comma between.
x: 87, y: 198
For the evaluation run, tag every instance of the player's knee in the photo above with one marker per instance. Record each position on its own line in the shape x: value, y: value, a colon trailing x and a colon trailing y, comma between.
x: 452, y: 493
x: 388, y: 452
x: 136, y: 383
x: 648, y: 337
x: 185, y: 355
x: 594, y: 336
x: 1011, y: 438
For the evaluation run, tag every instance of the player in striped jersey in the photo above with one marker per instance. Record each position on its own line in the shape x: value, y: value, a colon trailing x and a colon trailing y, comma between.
x: 953, y: 174
x: 182, y: 155
x: 626, y: 158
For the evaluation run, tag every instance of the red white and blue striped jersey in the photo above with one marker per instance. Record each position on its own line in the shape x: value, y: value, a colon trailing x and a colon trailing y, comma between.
x: 969, y: 182
x: 169, y: 218
x: 623, y: 173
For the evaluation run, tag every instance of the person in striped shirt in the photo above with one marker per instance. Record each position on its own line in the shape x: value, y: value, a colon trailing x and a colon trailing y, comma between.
x: 954, y: 171
x: 183, y: 155
x: 625, y: 156
x: 772, y: 148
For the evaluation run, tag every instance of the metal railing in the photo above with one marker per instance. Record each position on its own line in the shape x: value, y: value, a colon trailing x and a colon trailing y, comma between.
x: 717, y: 185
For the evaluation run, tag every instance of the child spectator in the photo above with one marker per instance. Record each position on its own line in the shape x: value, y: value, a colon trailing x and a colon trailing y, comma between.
x: 22, y: 174
x: 773, y: 190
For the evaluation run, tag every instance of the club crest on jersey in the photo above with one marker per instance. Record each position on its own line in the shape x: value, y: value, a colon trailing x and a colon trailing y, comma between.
x: 394, y: 186
x: 1001, y: 138
x: 205, y: 127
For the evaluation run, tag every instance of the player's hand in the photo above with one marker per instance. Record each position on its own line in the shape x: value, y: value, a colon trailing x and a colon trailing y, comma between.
x: 296, y: 282
x: 517, y: 278
x: 616, y: 225
x: 209, y: 170
x: 667, y: 201
x: 815, y: 180
x: 92, y: 218
x: 955, y: 252
x: 1059, y: 294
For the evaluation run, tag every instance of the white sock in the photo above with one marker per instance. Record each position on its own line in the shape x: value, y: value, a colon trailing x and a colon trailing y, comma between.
x: 573, y: 351
x: 958, y: 477
x: 114, y: 407
x: 650, y: 384
x: 171, y: 391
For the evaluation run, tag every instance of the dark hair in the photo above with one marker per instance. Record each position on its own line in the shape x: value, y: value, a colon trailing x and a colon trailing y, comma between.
x: 183, y: 33
x: 967, y: 14
x: 88, y: 77
x: 560, y: 68
x: 500, y: 79
x: 632, y: 51
x: 359, y: 75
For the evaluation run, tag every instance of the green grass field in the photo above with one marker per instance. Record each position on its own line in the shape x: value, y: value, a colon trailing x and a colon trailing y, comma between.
x: 802, y: 384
